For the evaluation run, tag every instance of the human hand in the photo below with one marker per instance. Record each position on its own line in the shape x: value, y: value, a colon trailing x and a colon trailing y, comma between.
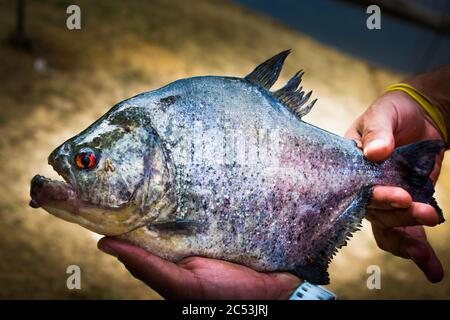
x: 395, y: 119
x: 199, y: 278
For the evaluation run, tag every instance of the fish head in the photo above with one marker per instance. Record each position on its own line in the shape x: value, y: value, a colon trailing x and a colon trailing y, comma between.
x: 115, y: 174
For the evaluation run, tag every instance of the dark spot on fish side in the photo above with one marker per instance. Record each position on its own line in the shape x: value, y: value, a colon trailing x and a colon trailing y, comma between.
x: 177, y: 227
x: 104, y: 140
x: 129, y: 118
x: 168, y: 101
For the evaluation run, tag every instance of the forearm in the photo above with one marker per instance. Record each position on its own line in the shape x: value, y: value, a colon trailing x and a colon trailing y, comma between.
x: 436, y: 86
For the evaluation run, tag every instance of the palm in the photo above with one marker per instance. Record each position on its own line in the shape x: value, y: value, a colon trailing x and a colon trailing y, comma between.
x: 201, y: 278
x: 215, y: 279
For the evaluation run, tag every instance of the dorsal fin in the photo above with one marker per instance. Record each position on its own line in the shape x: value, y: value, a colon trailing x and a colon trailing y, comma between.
x: 291, y: 85
x: 295, y: 98
x: 266, y: 74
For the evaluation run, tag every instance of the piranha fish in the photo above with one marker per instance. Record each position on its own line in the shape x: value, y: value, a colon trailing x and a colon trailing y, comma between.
x: 222, y: 167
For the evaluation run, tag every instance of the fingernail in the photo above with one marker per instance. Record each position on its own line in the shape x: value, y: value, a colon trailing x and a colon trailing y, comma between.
x: 396, y: 205
x: 373, y: 145
x: 107, y: 249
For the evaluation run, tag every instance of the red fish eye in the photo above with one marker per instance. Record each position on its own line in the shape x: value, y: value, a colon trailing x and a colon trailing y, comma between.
x: 85, y: 159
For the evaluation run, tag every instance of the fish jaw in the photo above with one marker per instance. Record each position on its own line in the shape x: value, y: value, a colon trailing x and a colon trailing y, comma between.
x: 56, y: 197
x: 60, y: 199
x: 45, y: 192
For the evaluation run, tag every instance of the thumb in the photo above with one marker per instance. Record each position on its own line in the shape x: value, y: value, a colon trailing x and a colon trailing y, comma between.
x: 376, y: 128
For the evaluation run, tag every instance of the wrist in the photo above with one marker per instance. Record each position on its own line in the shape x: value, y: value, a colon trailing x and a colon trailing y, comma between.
x: 416, y: 102
x: 432, y: 89
x: 434, y: 85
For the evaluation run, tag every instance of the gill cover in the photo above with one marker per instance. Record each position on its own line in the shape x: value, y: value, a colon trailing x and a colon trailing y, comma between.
x: 117, y: 162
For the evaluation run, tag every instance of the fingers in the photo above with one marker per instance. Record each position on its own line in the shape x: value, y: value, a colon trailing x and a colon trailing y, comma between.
x: 163, y: 276
x: 427, y: 261
x: 410, y: 243
x: 396, y: 219
x: 393, y: 207
x: 196, y: 277
x: 376, y: 129
x: 352, y: 133
x: 390, y: 197
x: 417, y: 214
x: 373, y: 131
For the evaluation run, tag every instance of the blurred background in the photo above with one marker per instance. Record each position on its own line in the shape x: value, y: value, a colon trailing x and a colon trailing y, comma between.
x: 54, y: 82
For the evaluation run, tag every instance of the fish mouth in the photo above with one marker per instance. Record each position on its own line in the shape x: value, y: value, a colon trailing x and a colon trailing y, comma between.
x: 60, y: 199
x: 45, y: 191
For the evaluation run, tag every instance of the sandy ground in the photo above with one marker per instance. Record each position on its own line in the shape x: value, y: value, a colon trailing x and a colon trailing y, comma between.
x: 123, y: 50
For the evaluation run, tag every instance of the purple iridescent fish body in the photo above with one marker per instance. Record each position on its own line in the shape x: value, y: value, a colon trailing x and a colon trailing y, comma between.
x: 230, y: 171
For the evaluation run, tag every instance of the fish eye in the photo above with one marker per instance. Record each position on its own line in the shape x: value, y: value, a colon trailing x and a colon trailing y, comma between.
x: 86, y: 159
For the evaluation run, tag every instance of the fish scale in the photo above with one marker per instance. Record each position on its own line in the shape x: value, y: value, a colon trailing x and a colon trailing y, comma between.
x: 222, y: 167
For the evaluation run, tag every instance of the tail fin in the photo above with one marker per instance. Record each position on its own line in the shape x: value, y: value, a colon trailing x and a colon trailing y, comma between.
x: 416, y: 161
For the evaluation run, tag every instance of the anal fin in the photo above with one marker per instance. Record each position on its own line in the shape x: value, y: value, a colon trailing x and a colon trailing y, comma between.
x: 337, y: 236
x: 315, y: 274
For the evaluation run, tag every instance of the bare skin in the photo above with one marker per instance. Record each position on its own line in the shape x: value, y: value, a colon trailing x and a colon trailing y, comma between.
x: 200, y: 278
x: 394, y: 119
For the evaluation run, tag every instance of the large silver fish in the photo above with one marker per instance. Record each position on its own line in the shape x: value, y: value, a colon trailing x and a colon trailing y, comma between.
x: 222, y: 167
